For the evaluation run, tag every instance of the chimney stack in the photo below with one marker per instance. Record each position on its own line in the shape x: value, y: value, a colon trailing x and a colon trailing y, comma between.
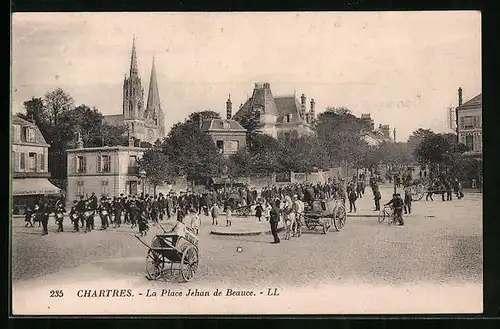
x: 229, y: 108
x: 460, y: 96
x: 303, y: 105
x: 312, y: 114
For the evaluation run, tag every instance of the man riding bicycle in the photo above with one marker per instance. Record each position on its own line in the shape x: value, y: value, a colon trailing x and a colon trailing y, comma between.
x: 397, y: 204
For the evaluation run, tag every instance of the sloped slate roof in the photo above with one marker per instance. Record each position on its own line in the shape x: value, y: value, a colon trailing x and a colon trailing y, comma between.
x: 288, y: 105
x: 262, y: 98
x: 38, y: 134
x: 476, y: 102
x: 218, y: 125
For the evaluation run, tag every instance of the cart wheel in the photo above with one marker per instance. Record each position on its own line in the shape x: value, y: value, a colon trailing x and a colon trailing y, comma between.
x: 381, y: 216
x: 154, y: 265
x: 418, y: 192
x: 189, y: 263
x: 339, y: 218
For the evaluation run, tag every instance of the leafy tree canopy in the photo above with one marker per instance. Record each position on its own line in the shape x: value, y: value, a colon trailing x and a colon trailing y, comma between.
x: 191, y: 151
x: 156, y: 165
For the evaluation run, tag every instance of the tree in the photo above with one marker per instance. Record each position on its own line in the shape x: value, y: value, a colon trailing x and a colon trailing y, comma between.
x: 264, y: 154
x: 416, y: 137
x: 439, y: 151
x: 340, y: 111
x: 339, y: 132
x: 395, y: 153
x: 299, y: 153
x: 197, y: 117
x: 190, y: 151
x: 251, y: 122
x: 156, y: 166
x: 239, y: 164
x: 113, y: 135
x: 56, y: 103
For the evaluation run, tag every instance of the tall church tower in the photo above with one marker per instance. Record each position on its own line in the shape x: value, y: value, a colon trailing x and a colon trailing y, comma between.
x: 154, y: 111
x: 133, y: 99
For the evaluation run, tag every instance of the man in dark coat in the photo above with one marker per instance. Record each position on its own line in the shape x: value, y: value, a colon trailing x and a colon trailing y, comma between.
x: 44, y: 212
x: 117, y: 211
x: 352, y: 195
x: 59, y: 211
x: 80, y: 209
x: 274, y: 220
x: 376, y: 197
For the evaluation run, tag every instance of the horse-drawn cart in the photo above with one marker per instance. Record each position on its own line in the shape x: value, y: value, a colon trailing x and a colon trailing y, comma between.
x: 171, y: 253
x: 417, y: 190
x: 325, y: 213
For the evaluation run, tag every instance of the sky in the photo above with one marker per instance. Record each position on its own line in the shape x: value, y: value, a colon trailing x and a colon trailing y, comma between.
x: 404, y: 68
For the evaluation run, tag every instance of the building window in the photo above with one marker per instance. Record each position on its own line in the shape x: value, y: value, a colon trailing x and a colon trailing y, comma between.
x: 288, y: 118
x: 81, y: 164
x: 225, y: 125
x: 22, y: 162
x: 461, y: 123
x: 103, y: 163
x: 469, y: 142
x: 220, y: 145
x: 32, y: 157
x: 104, y: 188
x: 28, y: 135
x: 469, y: 122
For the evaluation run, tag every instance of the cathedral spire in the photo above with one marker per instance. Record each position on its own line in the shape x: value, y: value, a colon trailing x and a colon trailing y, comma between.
x: 153, y: 106
x: 133, y: 61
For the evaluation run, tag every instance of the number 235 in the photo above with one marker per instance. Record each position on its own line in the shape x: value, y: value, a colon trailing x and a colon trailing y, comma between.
x: 56, y: 293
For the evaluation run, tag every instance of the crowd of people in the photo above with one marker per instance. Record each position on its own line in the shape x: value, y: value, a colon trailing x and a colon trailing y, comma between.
x: 142, y: 210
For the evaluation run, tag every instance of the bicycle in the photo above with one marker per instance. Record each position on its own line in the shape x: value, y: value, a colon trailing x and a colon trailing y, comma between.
x: 387, y: 212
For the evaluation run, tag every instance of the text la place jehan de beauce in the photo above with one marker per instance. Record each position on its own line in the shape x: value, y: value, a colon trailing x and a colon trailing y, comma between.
x: 198, y: 293
x: 127, y: 293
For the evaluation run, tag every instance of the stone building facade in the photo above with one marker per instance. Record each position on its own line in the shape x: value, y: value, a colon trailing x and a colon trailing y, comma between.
x: 228, y: 135
x: 469, y: 124
x: 106, y: 170
x: 29, y: 164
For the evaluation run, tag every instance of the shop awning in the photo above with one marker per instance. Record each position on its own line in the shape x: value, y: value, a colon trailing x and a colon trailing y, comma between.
x: 33, y: 186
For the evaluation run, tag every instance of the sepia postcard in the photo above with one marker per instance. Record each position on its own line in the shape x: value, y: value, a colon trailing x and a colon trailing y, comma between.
x: 246, y: 163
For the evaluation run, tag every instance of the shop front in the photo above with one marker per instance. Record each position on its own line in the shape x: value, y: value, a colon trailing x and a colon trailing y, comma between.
x: 27, y: 191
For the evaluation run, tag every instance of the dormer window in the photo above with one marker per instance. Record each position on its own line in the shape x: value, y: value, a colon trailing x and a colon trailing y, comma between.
x: 28, y: 134
x: 226, y: 125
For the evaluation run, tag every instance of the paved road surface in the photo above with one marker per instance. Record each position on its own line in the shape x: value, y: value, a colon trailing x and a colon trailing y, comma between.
x: 441, y: 248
